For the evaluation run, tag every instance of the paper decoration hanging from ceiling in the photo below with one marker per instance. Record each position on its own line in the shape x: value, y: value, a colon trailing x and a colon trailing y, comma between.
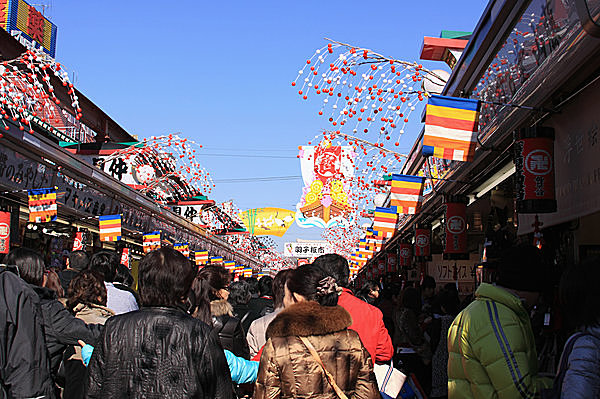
x: 42, y: 205
x: 451, y: 128
x: 151, y: 241
x: 406, y: 193
x: 110, y: 228
x: 326, y: 172
x: 385, y: 221
x: 182, y: 247
x: 267, y: 221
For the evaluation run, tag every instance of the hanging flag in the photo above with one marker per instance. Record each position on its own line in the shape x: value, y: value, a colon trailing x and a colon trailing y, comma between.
x: 456, y: 228
x: 183, y: 247
x: 42, y: 205
x: 423, y: 242
x: 229, y: 265
x: 78, y: 241
x: 4, y: 232
x: 392, y: 263
x: 407, y: 193
x: 216, y: 259
x: 405, y: 253
x: 110, y: 228
x: 201, y: 257
x: 385, y: 221
x: 151, y: 241
x: 125, y: 258
x: 267, y: 221
x: 247, y: 272
x: 451, y: 127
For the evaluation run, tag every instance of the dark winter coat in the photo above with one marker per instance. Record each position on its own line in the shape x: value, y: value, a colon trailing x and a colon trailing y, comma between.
x: 61, y: 328
x: 287, y: 369
x: 582, y: 379
x: 24, y: 362
x: 158, y: 352
x: 229, y: 329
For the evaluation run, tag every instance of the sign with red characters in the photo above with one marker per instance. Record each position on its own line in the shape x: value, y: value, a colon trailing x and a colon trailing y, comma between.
x: 78, y: 241
x: 125, y: 258
x: 405, y: 253
x: 4, y: 232
x: 456, y: 228
x: 392, y: 261
x: 534, y: 164
x: 422, y: 242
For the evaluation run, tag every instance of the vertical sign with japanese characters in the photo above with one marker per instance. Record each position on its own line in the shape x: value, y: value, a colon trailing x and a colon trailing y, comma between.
x: 534, y: 164
x: 4, y: 232
x: 392, y: 262
x: 456, y: 228
x: 423, y: 242
x: 405, y: 253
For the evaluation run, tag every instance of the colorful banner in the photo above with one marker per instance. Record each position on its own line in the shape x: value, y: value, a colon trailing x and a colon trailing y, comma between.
x: 405, y: 255
x: 151, y: 241
x: 268, y: 221
x: 42, y: 205
x: 406, y: 193
x: 229, y: 265
x: 385, y: 221
x: 20, y: 19
x: 201, y: 257
x: 125, y: 258
x: 78, y: 241
x: 451, y: 126
x: 456, y: 228
x: 534, y: 164
x: 216, y: 259
x: 110, y: 228
x: 392, y: 262
x: 4, y: 232
x: 423, y: 242
x: 183, y: 247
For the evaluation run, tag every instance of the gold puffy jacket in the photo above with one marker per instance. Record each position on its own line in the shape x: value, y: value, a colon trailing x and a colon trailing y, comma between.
x: 287, y: 369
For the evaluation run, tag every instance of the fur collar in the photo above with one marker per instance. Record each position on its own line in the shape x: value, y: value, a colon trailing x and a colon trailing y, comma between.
x: 221, y: 307
x: 309, y: 318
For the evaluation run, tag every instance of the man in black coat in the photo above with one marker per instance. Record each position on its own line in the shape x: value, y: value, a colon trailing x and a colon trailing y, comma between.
x: 24, y: 363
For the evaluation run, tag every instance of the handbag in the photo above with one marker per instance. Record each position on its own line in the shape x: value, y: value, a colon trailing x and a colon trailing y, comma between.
x: 328, y: 375
x: 389, y: 380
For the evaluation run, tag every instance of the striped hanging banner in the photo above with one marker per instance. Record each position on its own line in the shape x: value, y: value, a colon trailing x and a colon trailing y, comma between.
x: 407, y: 193
x: 216, y: 259
x: 229, y: 265
x: 183, y: 247
x: 385, y: 221
x: 451, y: 127
x: 201, y: 257
x: 110, y: 227
x: 151, y: 241
x: 42, y: 205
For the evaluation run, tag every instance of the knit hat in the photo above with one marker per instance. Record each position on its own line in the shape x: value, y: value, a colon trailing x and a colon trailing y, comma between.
x: 522, y: 268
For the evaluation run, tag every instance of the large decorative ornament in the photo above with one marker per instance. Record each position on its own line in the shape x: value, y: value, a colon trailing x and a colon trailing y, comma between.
x: 267, y: 221
x: 534, y: 164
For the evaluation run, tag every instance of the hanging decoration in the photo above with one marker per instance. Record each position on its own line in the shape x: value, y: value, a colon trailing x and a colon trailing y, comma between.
x: 110, y: 228
x: 183, y: 247
x: 267, y: 221
x: 405, y: 255
x: 385, y: 221
x: 423, y: 242
x: 201, y: 257
x: 456, y: 228
x: 407, y: 193
x: 4, y: 232
x: 534, y: 164
x: 78, y: 241
x: 125, y: 258
x: 451, y: 127
x: 42, y: 205
x: 151, y: 241
x: 392, y: 262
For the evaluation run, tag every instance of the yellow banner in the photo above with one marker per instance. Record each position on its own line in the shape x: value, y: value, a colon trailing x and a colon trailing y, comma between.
x: 267, y: 221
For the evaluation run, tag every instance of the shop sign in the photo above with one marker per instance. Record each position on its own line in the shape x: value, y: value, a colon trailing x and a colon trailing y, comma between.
x: 125, y: 258
x: 391, y: 262
x: 4, y: 232
x: 78, y: 241
x: 405, y: 253
x: 423, y: 242
x: 381, y: 265
x: 456, y: 228
x: 534, y: 164
x: 306, y: 249
x: 193, y: 213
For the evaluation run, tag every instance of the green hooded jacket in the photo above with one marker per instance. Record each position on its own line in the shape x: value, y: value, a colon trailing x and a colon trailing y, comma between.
x: 492, y: 349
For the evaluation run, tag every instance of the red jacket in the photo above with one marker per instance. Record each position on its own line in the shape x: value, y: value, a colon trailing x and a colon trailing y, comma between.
x: 367, y: 321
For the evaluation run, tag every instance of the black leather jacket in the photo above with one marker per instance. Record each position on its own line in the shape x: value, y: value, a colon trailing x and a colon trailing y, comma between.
x: 158, y: 352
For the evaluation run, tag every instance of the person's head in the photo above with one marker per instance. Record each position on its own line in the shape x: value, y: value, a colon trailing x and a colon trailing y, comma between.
x: 165, y: 278
x: 579, y: 295
x: 279, y: 287
x: 123, y: 275
x: 217, y: 278
x: 29, y: 263
x: 411, y: 300
x: 52, y: 281
x: 253, y: 285
x: 105, y: 262
x: 239, y: 293
x: 371, y: 289
x: 428, y: 287
x: 86, y: 288
x: 310, y: 283
x: 521, y: 270
x: 448, y: 301
x: 265, y: 286
x: 78, y: 260
x: 335, y: 266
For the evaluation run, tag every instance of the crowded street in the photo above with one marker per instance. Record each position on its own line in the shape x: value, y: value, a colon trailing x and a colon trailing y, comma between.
x: 315, y: 200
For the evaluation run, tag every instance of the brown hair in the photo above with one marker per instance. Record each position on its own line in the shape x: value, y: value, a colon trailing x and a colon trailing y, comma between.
x: 53, y: 283
x: 87, y: 288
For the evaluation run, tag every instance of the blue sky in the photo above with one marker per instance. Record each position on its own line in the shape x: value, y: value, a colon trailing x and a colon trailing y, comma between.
x: 219, y: 72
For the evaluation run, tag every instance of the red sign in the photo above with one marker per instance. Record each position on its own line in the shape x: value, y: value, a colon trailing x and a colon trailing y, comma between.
x: 534, y: 163
x: 456, y: 228
x: 78, y: 241
x: 125, y: 258
x: 4, y: 232
x: 382, y: 266
x: 405, y: 255
x: 391, y: 262
x: 422, y: 242
x: 328, y: 162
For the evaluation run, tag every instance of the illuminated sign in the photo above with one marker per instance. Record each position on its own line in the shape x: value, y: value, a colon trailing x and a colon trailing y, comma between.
x: 23, y: 21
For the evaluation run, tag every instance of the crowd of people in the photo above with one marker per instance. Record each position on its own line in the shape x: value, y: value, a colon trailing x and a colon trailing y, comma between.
x: 91, y: 331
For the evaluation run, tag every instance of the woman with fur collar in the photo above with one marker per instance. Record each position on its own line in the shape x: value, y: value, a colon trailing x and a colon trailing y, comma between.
x: 287, y: 368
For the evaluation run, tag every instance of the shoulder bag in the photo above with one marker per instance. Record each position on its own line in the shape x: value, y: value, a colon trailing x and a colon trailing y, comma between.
x: 328, y: 375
